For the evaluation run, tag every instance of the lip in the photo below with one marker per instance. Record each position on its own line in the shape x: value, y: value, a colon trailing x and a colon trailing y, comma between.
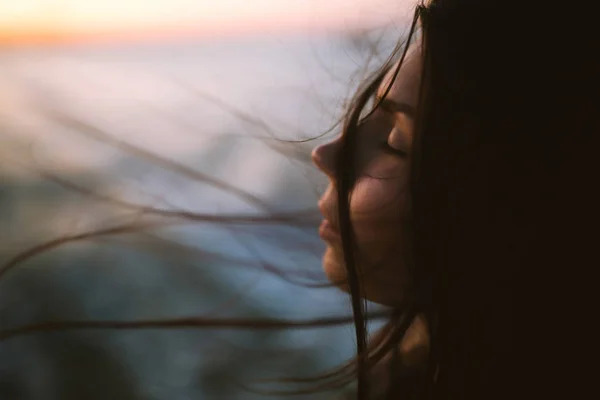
x: 328, y: 211
x: 328, y: 233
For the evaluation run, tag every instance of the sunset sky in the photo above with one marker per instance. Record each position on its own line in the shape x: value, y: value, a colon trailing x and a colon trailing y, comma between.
x: 50, y: 20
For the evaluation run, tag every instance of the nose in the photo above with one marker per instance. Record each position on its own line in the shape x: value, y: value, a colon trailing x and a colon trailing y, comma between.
x: 323, y: 157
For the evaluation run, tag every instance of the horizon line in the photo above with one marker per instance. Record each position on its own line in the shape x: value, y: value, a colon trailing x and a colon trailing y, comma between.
x: 134, y: 36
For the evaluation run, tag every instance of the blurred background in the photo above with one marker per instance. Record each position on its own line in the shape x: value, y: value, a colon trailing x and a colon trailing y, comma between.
x: 197, y: 106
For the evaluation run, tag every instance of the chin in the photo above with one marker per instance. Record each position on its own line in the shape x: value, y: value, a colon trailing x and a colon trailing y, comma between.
x: 385, y: 290
x: 334, y: 268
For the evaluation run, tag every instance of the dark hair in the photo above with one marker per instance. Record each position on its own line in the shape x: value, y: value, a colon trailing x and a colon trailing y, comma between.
x: 491, y: 150
x: 497, y: 172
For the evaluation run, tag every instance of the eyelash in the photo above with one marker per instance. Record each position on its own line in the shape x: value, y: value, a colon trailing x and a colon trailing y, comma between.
x: 395, y: 152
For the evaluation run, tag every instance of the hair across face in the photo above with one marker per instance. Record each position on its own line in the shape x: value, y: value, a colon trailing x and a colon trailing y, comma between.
x: 379, y: 199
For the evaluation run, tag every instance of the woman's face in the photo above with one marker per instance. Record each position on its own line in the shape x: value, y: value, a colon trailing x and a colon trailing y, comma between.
x: 379, y: 199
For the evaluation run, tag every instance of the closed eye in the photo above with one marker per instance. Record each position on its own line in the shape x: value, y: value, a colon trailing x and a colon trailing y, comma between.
x: 385, y: 146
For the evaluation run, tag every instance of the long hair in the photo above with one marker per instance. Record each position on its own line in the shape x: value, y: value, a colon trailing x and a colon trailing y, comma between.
x: 497, y: 171
x: 499, y: 175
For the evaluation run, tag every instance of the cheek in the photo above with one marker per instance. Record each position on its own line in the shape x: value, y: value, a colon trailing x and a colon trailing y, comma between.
x: 378, y: 208
x: 380, y: 188
x: 375, y: 199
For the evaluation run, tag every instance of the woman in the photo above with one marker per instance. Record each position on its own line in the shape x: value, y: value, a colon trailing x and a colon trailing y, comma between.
x: 462, y: 162
x: 469, y: 168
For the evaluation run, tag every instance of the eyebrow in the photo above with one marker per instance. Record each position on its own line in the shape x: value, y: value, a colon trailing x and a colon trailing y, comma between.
x: 398, y: 107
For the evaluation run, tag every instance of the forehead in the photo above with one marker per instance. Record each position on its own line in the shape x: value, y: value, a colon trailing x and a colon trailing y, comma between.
x: 405, y: 87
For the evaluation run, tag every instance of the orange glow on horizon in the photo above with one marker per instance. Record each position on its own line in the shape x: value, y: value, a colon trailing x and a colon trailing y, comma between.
x: 55, y: 36
x: 48, y: 21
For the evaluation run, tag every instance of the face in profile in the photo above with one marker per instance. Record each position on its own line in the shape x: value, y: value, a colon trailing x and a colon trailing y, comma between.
x: 379, y: 201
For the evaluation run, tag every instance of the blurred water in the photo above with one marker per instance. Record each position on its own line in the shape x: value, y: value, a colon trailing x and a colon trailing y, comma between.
x: 202, y: 104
